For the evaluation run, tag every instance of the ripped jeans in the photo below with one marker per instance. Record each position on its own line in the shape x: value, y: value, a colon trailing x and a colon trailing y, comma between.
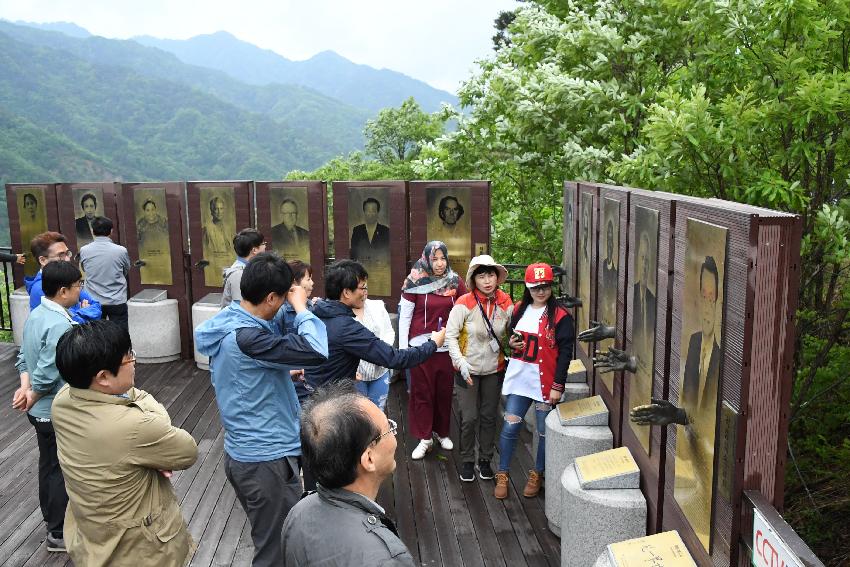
x: 376, y: 390
x: 515, y: 408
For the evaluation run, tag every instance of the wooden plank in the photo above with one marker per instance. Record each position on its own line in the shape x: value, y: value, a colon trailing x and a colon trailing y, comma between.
x: 245, y: 548
x: 210, y: 518
x: 402, y: 497
x: 23, y: 542
x: 229, y: 541
x: 446, y: 535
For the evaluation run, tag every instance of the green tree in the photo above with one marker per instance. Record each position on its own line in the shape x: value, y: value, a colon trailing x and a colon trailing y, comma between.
x: 397, y: 134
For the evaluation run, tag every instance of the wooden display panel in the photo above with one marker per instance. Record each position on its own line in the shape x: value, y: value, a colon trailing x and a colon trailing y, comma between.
x: 38, y: 214
x: 586, y: 269
x: 466, y: 226
x: 293, y: 217
x: 388, y: 262
x: 75, y: 209
x: 647, y: 443
x: 143, y: 209
x: 211, y: 242
x: 611, y: 300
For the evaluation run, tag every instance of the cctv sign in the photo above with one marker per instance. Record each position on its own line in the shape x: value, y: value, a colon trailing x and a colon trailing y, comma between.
x: 768, y: 548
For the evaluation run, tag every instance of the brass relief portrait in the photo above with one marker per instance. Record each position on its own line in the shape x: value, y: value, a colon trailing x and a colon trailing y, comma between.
x: 32, y: 217
x: 218, y: 222
x: 700, y: 369
x: 644, y: 257
x: 449, y: 220
x: 290, y: 223
x: 88, y: 205
x: 585, y: 244
x: 151, y: 217
x: 368, y: 217
x: 569, y: 241
x: 609, y: 256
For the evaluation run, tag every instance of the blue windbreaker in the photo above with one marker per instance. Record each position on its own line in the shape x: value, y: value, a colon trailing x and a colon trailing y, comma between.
x: 78, y: 314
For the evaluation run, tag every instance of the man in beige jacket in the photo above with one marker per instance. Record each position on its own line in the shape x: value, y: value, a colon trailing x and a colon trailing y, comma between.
x: 117, y: 449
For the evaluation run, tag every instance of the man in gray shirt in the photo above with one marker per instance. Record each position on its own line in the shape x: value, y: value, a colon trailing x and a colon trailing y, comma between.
x: 106, y: 266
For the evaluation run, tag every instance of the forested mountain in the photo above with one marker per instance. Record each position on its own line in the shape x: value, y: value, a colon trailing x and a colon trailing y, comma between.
x: 327, y: 72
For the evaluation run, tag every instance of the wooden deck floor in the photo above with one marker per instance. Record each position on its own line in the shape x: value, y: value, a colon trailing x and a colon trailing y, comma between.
x: 442, y: 520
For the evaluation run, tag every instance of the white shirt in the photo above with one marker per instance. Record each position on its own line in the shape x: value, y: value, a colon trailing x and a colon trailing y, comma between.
x: 523, y: 378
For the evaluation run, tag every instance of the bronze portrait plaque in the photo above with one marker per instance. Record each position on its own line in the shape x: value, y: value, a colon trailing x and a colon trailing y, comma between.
x: 584, y: 261
x: 290, y: 223
x: 88, y: 204
x: 700, y: 370
x: 609, y: 256
x: 32, y: 216
x: 369, y: 219
x: 449, y: 221
x: 151, y: 216
x: 644, y: 294
x: 218, y: 222
x: 569, y: 241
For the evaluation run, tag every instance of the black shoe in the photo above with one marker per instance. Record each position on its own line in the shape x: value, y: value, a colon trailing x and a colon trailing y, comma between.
x: 55, y: 543
x: 484, y: 470
x: 467, y: 472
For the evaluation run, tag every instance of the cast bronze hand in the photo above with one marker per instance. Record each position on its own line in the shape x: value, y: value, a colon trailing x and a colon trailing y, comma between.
x: 596, y: 332
x: 569, y: 301
x: 615, y: 360
x: 659, y: 412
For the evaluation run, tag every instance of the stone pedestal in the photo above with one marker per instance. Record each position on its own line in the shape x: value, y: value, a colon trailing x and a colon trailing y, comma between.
x: 593, y: 518
x: 19, y: 306
x: 207, y: 308
x: 154, y: 329
x: 563, y: 445
x: 575, y: 391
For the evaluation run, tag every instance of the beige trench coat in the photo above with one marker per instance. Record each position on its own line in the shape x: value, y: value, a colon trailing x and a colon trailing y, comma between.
x: 121, y: 510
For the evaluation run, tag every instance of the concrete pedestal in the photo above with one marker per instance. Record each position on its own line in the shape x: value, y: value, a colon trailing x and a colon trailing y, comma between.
x: 603, y: 560
x: 563, y: 445
x: 154, y: 330
x: 19, y: 305
x: 207, y: 308
x: 575, y: 392
x: 591, y: 519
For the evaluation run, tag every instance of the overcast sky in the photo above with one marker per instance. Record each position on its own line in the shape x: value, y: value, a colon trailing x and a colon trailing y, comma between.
x: 436, y: 41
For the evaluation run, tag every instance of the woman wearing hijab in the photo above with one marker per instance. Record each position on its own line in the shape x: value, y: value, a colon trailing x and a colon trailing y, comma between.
x: 428, y: 295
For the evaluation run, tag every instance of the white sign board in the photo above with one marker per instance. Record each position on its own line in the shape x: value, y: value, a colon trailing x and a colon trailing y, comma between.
x: 768, y: 548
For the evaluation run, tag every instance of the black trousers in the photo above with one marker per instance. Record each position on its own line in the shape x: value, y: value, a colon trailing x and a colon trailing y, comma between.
x: 267, y: 491
x: 117, y: 313
x: 51, y: 484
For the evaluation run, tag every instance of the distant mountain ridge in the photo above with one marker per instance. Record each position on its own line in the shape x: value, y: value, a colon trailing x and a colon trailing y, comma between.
x: 327, y: 72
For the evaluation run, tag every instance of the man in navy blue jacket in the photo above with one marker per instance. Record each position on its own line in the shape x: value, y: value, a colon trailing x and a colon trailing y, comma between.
x: 349, y: 341
x: 250, y: 364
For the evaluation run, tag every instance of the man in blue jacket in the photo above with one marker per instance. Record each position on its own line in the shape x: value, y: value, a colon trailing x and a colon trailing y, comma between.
x: 250, y: 364
x: 51, y: 247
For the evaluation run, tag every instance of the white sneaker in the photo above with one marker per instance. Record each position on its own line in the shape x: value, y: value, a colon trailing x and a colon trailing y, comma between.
x: 446, y: 443
x: 422, y: 449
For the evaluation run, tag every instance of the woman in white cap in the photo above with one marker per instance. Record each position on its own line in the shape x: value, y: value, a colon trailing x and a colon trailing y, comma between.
x: 475, y: 334
x: 542, y: 338
x: 428, y: 294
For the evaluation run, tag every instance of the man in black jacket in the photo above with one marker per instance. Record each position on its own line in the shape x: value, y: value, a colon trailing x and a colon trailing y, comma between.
x: 349, y: 341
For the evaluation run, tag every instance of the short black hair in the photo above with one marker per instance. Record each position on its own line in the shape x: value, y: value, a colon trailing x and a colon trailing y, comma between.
x: 710, y: 266
x: 342, y: 275
x: 246, y: 240
x: 101, y: 226
x: 87, y: 197
x: 335, y: 430
x: 84, y: 350
x: 56, y: 275
x: 30, y: 197
x: 300, y: 269
x: 148, y: 202
x: 484, y: 270
x: 213, y: 201
x: 372, y: 200
x: 291, y: 201
x: 444, y: 201
x: 265, y: 273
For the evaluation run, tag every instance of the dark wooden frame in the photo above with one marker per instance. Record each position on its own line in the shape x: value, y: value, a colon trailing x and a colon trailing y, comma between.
x: 244, y: 199
x: 584, y: 351
x: 399, y: 234
x: 65, y: 203
x: 180, y: 284
x: 614, y: 400
x: 51, y: 214
x: 317, y: 215
x: 479, y: 202
x: 652, y: 464
x: 571, y: 264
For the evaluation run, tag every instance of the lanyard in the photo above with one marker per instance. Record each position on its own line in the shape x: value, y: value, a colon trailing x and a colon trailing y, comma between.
x: 487, y: 319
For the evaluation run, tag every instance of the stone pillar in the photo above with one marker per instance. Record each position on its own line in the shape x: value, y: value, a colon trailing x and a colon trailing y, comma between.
x: 19, y: 306
x: 206, y: 308
x: 154, y: 323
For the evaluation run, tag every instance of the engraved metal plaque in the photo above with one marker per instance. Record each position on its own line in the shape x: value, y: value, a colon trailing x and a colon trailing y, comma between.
x: 150, y: 296
x: 616, y: 462
x: 728, y: 432
x: 660, y: 550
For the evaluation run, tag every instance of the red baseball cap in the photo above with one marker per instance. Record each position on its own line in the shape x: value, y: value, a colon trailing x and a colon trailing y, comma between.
x: 538, y: 274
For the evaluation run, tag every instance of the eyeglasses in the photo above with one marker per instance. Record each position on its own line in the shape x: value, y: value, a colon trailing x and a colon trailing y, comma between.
x: 80, y: 284
x: 66, y: 254
x: 132, y: 355
x: 363, y: 287
x: 392, y: 430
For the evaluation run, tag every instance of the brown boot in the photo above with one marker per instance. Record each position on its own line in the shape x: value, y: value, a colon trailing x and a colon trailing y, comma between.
x: 501, y: 491
x: 532, y: 487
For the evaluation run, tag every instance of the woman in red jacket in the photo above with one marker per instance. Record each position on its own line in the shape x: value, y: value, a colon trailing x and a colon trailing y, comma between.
x: 428, y: 294
x: 542, y: 338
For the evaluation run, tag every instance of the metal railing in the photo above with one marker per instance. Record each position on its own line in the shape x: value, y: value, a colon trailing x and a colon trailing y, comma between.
x: 8, y: 287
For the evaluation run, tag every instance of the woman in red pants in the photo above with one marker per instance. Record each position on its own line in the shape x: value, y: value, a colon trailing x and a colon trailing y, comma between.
x: 428, y: 294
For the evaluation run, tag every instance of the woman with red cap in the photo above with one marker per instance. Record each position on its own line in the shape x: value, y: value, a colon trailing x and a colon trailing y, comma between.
x: 542, y: 338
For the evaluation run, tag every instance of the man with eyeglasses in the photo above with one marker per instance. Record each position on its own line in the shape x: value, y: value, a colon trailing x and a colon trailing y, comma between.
x: 51, y: 247
x: 117, y: 448
x: 40, y: 381
x: 350, y: 444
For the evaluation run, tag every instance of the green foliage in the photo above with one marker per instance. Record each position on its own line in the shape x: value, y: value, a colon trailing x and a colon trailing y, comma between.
x: 397, y: 134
